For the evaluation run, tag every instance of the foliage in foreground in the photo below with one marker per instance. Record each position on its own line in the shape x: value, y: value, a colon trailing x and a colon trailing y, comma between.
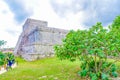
x: 93, y: 47
x: 6, y: 58
x: 45, y: 69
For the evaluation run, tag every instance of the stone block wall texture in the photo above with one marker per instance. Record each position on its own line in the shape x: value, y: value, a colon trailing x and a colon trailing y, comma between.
x: 37, y: 40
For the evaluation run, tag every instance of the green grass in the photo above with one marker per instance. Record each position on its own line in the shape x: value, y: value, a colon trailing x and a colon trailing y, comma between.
x: 44, y: 69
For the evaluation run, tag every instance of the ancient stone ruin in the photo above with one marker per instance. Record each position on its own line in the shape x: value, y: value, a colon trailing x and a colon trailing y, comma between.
x: 37, y: 40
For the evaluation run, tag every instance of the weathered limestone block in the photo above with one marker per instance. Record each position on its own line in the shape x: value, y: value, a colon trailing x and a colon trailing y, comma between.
x: 37, y: 40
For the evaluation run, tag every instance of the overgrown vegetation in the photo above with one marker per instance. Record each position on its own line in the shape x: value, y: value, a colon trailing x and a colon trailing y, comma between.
x: 6, y: 59
x: 93, y: 47
x: 45, y: 69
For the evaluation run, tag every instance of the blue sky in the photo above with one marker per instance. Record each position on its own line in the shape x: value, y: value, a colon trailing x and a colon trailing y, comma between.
x: 20, y: 14
x: 65, y: 14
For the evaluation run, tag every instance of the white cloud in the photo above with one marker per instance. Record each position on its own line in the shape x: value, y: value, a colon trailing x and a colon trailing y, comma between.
x: 7, y: 22
x: 94, y: 10
x: 65, y: 14
x: 42, y: 10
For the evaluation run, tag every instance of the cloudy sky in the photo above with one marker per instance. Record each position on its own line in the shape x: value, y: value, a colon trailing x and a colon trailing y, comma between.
x: 65, y: 14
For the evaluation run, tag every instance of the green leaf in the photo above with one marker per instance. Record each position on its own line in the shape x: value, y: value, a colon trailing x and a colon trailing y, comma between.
x: 72, y: 59
x: 93, y: 76
x: 100, y: 54
x: 83, y: 73
x: 115, y: 74
x: 113, y: 68
x: 105, y: 76
x: 91, y: 52
x: 115, y: 54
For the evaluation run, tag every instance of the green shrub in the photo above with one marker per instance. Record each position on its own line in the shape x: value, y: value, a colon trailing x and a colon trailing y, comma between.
x: 5, y: 57
x: 93, y: 47
x: 2, y: 59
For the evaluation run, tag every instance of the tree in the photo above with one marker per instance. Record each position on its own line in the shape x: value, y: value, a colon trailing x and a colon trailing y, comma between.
x: 92, y: 47
x: 116, y: 22
x: 2, y: 42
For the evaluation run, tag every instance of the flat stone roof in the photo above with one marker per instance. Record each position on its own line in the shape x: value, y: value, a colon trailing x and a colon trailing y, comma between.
x: 42, y: 26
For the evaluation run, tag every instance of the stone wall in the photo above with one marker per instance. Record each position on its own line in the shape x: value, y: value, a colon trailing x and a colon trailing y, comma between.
x: 37, y: 40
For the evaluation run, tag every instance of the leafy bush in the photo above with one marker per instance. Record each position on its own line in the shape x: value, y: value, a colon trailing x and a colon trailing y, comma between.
x: 2, y: 59
x: 93, y: 47
x: 10, y: 59
x: 6, y: 58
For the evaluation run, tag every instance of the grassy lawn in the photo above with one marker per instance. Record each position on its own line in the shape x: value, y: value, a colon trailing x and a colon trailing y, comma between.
x: 45, y: 69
